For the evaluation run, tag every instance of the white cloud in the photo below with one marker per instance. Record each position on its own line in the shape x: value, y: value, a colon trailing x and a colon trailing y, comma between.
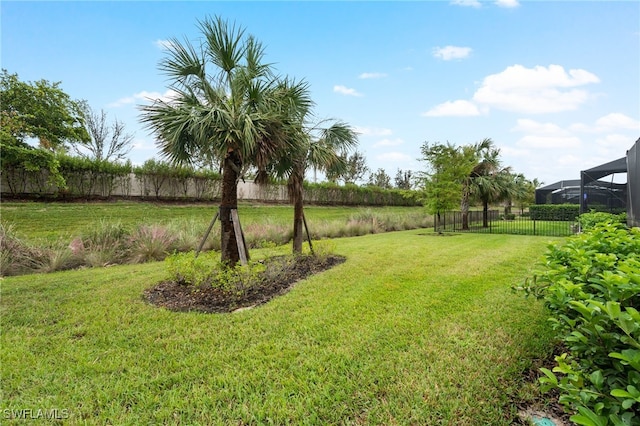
x: 389, y: 142
x: 613, y: 145
x: 372, y: 75
x: 617, y: 121
x: 448, y: 53
x: 163, y: 44
x: 507, y: 3
x: 346, y: 91
x: 508, y: 151
x: 458, y: 108
x: 611, y: 122
x: 468, y: 3
x: 372, y: 131
x: 143, y: 96
x: 535, y: 90
x: 530, y: 126
x: 142, y: 145
x: 544, y: 135
x: 394, y: 156
x: 549, y: 142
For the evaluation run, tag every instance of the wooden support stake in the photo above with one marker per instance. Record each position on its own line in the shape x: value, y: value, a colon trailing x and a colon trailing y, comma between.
x: 207, y: 233
x: 306, y: 228
x: 242, y: 251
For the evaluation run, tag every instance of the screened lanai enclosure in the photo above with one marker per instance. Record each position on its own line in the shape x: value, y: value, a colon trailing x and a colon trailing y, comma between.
x: 561, y: 192
x: 599, y: 190
x: 633, y: 185
x: 612, y: 187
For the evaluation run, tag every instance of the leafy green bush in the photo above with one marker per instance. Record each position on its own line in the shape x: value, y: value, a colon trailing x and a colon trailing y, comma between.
x: 208, y: 270
x: 26, y: 168
x: 591, y: 286
x: 560, y: 212
x: 590, y: 220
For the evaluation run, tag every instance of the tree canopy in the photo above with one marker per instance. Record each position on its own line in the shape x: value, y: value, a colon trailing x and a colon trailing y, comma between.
x: 448, y: 166
x: 228, y: 105
x: 41, y: 110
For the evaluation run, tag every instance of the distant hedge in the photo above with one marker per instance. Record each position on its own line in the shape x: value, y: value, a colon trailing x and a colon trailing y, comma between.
x: 557, y: 212
x: 349, y: 194
x: 28, y: 172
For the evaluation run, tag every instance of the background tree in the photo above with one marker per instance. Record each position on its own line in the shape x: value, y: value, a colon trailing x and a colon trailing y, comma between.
x: 448, y: 167
x: 380, y: 178
x: 39, y: 110
x: 108, y: 141
x: 228, y: 105
x: 527, y: 192
x: 355, y: 170
x: 485, y: 159
x: 404, y: 179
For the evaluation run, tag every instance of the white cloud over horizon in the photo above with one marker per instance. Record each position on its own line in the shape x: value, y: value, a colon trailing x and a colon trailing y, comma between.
x: 535, y: 90
x: 467, y: 3
x: 459, y: 108
x: 372, y: 75
x: 344, y: 90
x: 372, y: 131
x: 388, y: 142
x: 394, y: 156
x: 449, y: 53
x: 143, y: 96
x: 507, y: 3
x: 163, y: 44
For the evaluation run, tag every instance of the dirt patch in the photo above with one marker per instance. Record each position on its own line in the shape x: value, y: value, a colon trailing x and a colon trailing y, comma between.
x: 544, y: 406
x: 280, y: 274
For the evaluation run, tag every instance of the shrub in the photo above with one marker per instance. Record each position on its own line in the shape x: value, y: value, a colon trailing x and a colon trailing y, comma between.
x: 559, y: 212
x: 150, y: 243
x: 106, y: 243
x: 207, y: 270
x: 591, y: 286
x: 16, y: 256
x: 590, y: 220
x: 59, y: 259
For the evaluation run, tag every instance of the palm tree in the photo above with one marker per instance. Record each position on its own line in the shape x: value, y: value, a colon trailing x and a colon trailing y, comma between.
x: 485, y: 158
x: 324, y: 149
x: 228, y: 106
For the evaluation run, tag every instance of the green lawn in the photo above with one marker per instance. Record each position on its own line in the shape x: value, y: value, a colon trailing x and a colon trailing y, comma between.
x: 49, y: 221
x: 411, y: 329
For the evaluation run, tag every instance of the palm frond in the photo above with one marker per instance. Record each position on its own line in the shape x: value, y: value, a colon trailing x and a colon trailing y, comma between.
x: 224, y: 44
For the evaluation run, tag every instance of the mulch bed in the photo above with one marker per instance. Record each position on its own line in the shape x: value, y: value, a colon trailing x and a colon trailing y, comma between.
x: 280, y: 276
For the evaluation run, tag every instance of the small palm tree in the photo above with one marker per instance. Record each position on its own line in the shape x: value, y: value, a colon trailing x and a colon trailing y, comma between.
x: 324, y: 149
x: 228, y: 106
x: 485, y: 158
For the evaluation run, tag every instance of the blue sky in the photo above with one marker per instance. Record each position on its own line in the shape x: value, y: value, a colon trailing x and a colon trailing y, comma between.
x: 556, y: 85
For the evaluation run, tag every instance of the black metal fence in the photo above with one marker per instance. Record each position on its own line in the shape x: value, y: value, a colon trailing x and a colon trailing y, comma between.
x: 494, y: 222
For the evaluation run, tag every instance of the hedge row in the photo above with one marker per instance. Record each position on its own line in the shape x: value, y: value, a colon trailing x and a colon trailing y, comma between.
x: 591, y: 287
x: 37, y: 173
x: 558, y: 212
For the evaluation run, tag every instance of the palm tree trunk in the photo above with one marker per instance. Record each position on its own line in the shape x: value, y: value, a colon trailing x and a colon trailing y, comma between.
x: 464, y: 207
x: 298, y: 233
x: 298, y: 212
x: 230, y: 171
x: 485, y: 214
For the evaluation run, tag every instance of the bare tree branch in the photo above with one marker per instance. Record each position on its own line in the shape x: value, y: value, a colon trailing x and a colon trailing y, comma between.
x: 109, y: 141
